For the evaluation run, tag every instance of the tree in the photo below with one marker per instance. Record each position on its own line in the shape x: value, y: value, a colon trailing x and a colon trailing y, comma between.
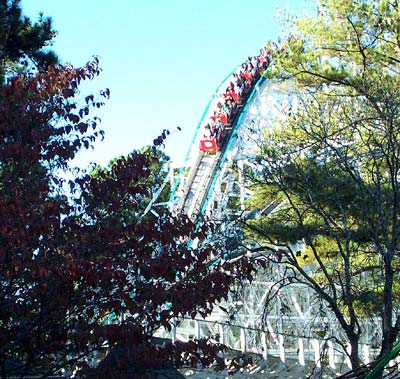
x: 22, y: 42
x: 157, y: 182
x: 79, y: 276
x: 333, y: 164
x: 40, y: 132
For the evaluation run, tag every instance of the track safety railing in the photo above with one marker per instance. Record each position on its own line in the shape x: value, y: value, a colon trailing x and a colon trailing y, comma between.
x: 303, y: 350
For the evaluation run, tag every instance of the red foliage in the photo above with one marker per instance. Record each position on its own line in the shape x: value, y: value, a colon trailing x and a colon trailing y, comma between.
x: 75, y: 253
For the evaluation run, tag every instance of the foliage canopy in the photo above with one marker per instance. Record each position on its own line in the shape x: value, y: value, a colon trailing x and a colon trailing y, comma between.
x: 81, y: 273
x: 334, y: 165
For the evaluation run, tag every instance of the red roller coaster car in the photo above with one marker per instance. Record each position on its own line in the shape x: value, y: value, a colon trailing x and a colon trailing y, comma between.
x: 209, y: 145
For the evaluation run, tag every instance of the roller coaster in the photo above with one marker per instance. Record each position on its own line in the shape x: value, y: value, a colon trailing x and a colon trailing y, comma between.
x: 212, y: 183
x: 215, y: 135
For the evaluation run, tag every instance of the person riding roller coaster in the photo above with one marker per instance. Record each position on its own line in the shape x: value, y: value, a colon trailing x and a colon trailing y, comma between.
x: 242, y: 81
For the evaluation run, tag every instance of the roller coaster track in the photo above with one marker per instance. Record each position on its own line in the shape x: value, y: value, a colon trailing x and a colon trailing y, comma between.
x: 192, y: 192
x: 183, y: 190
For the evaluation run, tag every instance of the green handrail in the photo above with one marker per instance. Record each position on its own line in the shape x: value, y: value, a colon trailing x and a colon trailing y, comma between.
x: 375, y: 372
x: 181, y: 171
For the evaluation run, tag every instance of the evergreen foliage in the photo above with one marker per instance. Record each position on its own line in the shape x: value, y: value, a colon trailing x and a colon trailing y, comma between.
x: 334, y: 164
x: 22, y: 42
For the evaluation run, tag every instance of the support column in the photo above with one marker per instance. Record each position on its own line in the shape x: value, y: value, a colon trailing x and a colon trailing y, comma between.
x: 173, y: 330
x: 331, y: 355
x: 241, y: 184
x: 301, y: 359
x: 348, y: 350
x: 366, y: 354
x: 317, y: 353
x: 264, y: 345
x: 281, y: 349
x: 221, y: 333
x: 197, y: 331
x: 242, y: 340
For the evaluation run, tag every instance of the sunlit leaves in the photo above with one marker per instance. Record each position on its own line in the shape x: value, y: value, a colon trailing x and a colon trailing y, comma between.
x: 333, y: 163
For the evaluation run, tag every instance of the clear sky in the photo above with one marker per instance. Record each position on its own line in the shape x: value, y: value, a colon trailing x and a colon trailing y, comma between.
x: 161, y: 59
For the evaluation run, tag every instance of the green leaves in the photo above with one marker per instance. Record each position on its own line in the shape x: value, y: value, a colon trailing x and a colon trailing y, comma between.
x: 334, y: 162
x: 22, y: 42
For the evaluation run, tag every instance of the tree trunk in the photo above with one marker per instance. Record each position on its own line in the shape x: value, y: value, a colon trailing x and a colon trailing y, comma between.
x: 354, y: 354
x: 387, y: 327
x: 3, y: 370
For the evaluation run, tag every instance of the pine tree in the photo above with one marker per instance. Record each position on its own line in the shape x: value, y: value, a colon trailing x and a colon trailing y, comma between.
x: 22, y: 42
x: 334, y: 164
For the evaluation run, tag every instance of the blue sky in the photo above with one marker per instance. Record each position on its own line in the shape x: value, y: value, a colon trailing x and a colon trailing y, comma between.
x: 161, y: 59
